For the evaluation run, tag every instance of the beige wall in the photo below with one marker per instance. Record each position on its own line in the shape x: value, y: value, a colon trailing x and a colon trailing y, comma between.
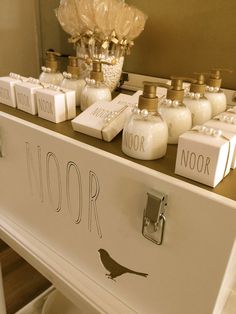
x: 20, y: 47
x: 180, y: 37
x: 185, y: 36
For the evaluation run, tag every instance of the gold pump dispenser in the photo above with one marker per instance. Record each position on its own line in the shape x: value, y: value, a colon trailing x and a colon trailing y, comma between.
x: 215, y: 78
x: 72, y: 67
x: 176, y: 92
x: 51, y: 60
x: 96, y: 73
x: 199, y: 85
x: 148, y: 100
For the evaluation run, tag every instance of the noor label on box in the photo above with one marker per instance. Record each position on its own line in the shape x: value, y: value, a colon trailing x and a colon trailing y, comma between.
x: 56, y: 104
x: 25, y: 95
x: 7, y: 89
x: 205, y: 154
x: 105, y: 119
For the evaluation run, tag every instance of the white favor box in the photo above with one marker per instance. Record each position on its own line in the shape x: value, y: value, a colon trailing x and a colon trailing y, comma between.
x: 56, y: 105
x: 7, y: 91
x: 25, y: 96
x: 225, y: 126
x: 205, y: 158
x: 105, y: 119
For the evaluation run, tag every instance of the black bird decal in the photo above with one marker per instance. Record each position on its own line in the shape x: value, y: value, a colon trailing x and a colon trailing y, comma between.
x: 115, y: 269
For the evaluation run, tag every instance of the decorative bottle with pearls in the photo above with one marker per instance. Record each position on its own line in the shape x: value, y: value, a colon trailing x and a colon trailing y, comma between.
x: 177, y: 116
x: 196, y: 101
x: 94, y: 89
x: 72, y: 79
x: 145, y: 132
x: 214, y: 93
x: 50, y: 73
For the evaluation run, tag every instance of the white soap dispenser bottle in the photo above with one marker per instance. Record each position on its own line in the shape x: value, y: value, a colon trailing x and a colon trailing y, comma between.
x: 213, y: 92
x: 196, y: 101
x: 94, y: 89
x: 145, y: 132
x: 177, y: 116
x: 50, y: 73
x: 72, y: 79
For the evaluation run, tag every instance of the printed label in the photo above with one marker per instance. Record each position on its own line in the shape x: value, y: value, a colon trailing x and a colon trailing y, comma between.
x: 23, y: 100
x: 4, y: 94
x: 134, y: 142
x: 195, y: 162
x: 45, y: 106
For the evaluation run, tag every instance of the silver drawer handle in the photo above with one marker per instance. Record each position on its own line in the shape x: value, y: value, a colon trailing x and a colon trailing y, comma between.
x: 153, y: 218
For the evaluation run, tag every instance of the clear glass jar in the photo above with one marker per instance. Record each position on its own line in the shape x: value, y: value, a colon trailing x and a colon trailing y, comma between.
x: 54, y: 78
x: 177, y: 116
x: 76, y: 84
x: 217, y: 98
x: 199, y: 106
x: 92, y: 92
x: 145, y: 135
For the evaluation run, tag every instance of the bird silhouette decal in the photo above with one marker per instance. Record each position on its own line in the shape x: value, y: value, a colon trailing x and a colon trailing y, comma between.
x: 114, y: 268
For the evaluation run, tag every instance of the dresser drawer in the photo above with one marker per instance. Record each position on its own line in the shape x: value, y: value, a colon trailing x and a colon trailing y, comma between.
x: 68, y: 203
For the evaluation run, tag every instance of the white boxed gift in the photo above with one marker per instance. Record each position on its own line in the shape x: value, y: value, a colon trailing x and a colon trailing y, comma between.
x: 205, y: 154
x: 26, y: 95
x: 105, y: 119
x: 7, y: 89
x: 56, y: 104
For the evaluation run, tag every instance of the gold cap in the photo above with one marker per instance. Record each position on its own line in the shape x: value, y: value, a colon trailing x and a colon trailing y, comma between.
x: 215, y: 78
x: 96, y: 73
x: 51, y: 60
x: 148, y: 100
x: 176, y: 92
x: 199, y: 85
x: 72, y: 67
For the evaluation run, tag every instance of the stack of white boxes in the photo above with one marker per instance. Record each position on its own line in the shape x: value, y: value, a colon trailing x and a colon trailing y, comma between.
x: 50, y: 102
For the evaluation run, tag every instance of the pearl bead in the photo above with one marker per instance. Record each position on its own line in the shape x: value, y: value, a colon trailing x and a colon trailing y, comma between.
x: 210, y: 131
x: 202, y: 129
x: 231, y: 119
x: 144, y: 113
x: 175, y: 103
x: 222, y: 118
x: 211, y: 89
x: 192, y: 95
x: 135, y: 110
x: 197, y: 96
x: 228, y: 119
x: 217, y: 133
x: 169, y: 102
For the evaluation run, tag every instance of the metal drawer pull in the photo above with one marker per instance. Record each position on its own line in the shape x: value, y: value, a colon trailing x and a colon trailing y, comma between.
x: 153, y: 218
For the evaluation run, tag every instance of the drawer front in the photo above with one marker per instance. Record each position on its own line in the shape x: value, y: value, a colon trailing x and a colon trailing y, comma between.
x: 81, y: 202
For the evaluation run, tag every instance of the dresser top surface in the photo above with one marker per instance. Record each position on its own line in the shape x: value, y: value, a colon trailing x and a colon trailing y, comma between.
x: 166, y: 165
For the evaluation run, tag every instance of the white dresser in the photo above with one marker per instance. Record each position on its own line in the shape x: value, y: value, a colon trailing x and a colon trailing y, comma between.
x: 73, y: 207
